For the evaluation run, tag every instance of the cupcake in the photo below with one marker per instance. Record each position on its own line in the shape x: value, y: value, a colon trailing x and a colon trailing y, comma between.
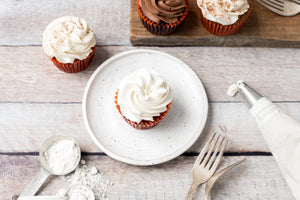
x: 162, y: 17
x: 70, y: 43
x: 223, y: 17
x: 143, y: 99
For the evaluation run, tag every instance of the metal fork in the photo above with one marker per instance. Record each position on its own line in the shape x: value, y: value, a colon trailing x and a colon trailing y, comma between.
x: 210, y: 183
x: 207, y: 161
x: 296, y: 1
x: 281, y: 7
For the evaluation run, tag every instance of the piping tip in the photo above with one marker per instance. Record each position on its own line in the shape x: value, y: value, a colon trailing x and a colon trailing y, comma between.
x: 250, y: 95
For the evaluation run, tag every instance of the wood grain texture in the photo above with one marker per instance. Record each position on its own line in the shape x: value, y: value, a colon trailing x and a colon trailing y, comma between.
x: 25, y: 126
x: 273, y: 72
x: 263, y: 28
x: 110, y: 21
x: 257, y: 178
x: 23, y: 22
x: 37, y: 101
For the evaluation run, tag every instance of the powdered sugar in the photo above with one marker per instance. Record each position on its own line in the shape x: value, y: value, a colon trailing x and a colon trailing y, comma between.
x: 87, y: 177
x: 80, y: 192
x: 62, y: 156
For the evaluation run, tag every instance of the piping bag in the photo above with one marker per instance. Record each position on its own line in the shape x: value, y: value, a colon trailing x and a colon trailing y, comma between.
x: 280, y: 131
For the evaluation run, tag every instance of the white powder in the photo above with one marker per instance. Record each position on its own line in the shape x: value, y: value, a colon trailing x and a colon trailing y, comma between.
x: 86, y: 177
x: 80, y: 192
x: 62, y: 156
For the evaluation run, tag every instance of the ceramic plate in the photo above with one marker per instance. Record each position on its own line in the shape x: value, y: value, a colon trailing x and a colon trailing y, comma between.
x: 176, y: 133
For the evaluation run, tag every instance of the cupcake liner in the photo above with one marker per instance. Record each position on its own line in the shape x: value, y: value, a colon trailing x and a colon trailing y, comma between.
x: 77, y: 65
x: 158, y: 28
x: 143, y: 124
x: 224, y: 30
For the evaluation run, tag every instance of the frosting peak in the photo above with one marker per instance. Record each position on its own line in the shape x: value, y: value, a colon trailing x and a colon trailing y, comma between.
x: 143, y: 95
x: 68, y: 38
x: 225, y: 12
x: 167, y: 11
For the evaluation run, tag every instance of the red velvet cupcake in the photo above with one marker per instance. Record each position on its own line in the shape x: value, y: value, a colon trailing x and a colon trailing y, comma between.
x: 143, y: 99
x: 223, y: 17
x: 162, y: 17
x: 70, y: 43
x: 77, y: 65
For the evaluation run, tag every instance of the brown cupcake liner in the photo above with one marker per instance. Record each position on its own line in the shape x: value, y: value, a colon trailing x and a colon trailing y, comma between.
x: 224, y: 30
x: 158, y: 28
x: 77, y: 65
x: 144, y: 124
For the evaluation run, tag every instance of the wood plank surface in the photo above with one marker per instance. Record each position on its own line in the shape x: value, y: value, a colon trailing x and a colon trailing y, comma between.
x: 23, y: 22
x: 273, y: 72
x: 107, y: 18
x: 25, y: 126
x: 256, y: 179
x: 263, y: 28
x: 37, y: 101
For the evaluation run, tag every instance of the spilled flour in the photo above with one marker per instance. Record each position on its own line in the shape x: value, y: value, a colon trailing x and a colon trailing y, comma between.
x: 86, y: 183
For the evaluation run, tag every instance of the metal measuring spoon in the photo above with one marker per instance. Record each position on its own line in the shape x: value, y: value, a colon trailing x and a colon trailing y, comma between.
x: 74, y: 192
x: 40, y: 198
x: 80, y: 192
x: 46, y: 171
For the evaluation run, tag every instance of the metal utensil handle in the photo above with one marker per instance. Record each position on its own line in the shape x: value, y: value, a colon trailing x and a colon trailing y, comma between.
x: 191, y: 191
x: 36, y: 183
x: 217, y: 175
x: 42, y: 198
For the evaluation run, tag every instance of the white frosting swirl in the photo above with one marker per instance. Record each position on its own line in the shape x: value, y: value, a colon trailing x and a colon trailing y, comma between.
x: 68, y: 38
x: 225, y: 12
x: 143, y: 95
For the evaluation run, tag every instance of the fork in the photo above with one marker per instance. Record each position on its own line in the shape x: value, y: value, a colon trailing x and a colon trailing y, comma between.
x: 207, y: 161
x: 296, y: 1
x: 210, y: 183
x: 281, y: 7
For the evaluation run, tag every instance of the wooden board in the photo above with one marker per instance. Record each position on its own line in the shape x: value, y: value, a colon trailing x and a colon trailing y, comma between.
x: 263, y: 28
x: 257, y: 178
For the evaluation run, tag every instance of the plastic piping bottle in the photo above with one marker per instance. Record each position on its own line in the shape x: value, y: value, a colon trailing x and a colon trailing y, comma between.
x: 281, y: 132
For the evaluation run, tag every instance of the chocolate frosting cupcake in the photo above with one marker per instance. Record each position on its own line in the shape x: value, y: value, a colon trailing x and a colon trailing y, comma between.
x: 167, y: 11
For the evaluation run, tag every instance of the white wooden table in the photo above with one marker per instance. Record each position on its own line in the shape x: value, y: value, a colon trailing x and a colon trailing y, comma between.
x: 37, y: 101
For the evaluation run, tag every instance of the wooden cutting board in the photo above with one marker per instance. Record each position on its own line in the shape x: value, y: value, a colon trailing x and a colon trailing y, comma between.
x: 263, y: 28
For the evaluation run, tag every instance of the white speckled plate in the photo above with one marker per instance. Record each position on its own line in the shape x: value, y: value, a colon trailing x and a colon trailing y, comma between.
x: 171, y: 137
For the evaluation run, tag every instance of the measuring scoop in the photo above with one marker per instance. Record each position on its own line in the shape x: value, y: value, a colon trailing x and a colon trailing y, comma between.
x: 46, y: 171
x: 39, y: 198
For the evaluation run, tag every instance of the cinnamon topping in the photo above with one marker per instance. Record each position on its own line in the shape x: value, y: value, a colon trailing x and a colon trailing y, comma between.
x: 225, y: 12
